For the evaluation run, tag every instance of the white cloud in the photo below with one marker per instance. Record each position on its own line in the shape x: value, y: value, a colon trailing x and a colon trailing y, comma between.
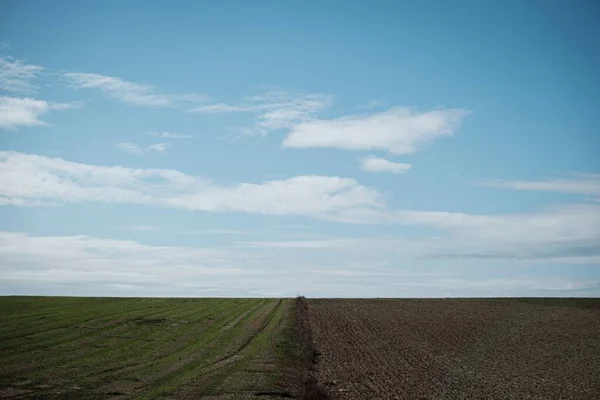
x: 377, y: 164
x: 25, y: 177
x: 284, y: 110
x: 130, y: 148
x: 316, y: 196
x: 135, y: 149
x: 398, y: 130
x: 17, y: 76
x: 213, y: 232
x: 132, y: 93
x: 275, y: 109
x: 158, y: 147
x: 219, y: 108
x: 66, y: 264
x: 85, y: 260
x: 564, y: 231
x: 66, y: 106
x: 568, y: 234
x: 584, y: 184
x: 16, y: 112
x: 304, y: 244
x: 171, y: 135
x: 568, y: 231
x: 95, y: 266
x: 144, y: 228
x: 370, y: 105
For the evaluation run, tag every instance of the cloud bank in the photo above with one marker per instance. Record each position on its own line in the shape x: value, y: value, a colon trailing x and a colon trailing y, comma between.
x: 17, y: 76
x: 132, y: 93
x: 133, y: 148
x: 566, y: 231
x: 378, y: 164
x: 275, y: 109
x: 584, y: 184
x: 398, y: 130
x: 95, y: 266
x: 18, y: 112
x: 26, y: 178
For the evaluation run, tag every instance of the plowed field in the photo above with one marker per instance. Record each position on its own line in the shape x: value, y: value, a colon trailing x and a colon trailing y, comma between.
x: 457, y: 348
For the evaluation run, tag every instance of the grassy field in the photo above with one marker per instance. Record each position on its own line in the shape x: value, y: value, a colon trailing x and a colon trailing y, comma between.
x: 52, y: 347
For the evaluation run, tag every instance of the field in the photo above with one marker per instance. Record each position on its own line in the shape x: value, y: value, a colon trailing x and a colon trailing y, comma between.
x: 111, y: 348
x: 148, y: 348
x: 458, y: 348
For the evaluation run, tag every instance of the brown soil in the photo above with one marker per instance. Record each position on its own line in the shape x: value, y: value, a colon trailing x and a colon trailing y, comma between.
x: 457, y: 348
x: 305, y: 353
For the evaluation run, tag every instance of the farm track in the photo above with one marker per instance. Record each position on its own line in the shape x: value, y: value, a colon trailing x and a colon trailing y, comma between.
x: 225, y: 340
x: 217, y: 371
x: 456, y: 348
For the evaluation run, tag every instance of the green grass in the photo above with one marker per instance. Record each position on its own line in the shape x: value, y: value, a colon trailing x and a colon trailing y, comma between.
x: 52, y: 347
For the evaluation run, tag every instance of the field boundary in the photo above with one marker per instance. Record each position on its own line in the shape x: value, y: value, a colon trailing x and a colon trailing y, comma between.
x: 312, y: 390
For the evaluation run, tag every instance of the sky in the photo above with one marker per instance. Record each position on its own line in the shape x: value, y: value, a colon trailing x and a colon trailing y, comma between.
x: 316, y: 148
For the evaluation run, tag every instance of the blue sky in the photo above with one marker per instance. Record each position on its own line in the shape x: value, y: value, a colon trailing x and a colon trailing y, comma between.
x: 401, y: 149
